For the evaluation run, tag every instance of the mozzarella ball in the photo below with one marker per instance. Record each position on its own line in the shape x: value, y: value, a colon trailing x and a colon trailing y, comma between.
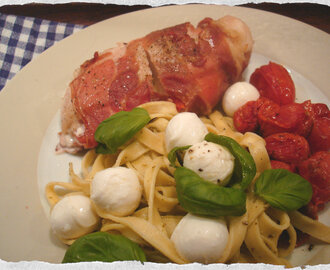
x: 210, y: 161
x: 237, y: 95
x: 184, y: 129
x: 116, y: 190
x: 73, y: 216
x: 200, y: 239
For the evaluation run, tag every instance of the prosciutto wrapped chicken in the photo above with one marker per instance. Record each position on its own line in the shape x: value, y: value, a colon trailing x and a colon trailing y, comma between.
x: 190, y: 66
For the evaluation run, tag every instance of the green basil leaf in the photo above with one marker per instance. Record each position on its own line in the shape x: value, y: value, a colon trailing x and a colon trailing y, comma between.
x: 202, y: 197
x: 119, y: 128
x: 283, y: 189
x: 174, y: 154
x: 245, y: 167
x: 102, y: 149
x: 104, y: 247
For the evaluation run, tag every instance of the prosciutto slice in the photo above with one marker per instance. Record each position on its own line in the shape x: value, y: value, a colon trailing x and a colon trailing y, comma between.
x: 190, y: 66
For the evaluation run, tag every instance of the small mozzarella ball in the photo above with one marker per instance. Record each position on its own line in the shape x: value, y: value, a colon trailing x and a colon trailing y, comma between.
x: 73, y: 216
x: 116, y: 190
x: 184, y: 129
x: 210, y: 161
x: 200, y: 239
x: 237, y: 95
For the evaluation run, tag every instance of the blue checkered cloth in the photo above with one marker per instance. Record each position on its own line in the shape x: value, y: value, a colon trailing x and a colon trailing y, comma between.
x: 22, y: 38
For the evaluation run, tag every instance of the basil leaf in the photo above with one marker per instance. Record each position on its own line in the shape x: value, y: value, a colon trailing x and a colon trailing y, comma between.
x: 119, y: 128
x: 173, y: 155
x: 104, y: 247
x: 202, y: 197
x: 245, y: 167
x: 283, y: 189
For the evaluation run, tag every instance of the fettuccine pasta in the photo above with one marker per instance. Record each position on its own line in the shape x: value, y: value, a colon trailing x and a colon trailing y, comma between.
x: 256, y: 236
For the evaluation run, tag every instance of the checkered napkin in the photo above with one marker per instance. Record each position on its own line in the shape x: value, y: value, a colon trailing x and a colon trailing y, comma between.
x: 22, y: 38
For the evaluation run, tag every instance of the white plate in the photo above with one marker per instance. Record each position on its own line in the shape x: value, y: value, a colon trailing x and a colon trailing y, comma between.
x: 29, y: 103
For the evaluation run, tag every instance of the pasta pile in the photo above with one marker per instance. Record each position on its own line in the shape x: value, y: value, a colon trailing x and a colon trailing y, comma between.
x: 255, y: 236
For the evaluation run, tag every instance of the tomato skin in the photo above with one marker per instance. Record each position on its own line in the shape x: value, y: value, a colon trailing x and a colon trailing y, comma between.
x: 245, y: 118
x: 266, y: 117
x: 271, y: 118
x: 291, y: 118
x: 287, y: 147
x: 319, y: 138
x: 274, y: 82
x: 316, y: 170
x: 297, y: 119
x: 316, y: 110
x: 320, y: 110
x: 276, y: 164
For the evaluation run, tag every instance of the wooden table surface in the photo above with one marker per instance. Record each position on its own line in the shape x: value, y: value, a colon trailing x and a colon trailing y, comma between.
x: 316, y: 15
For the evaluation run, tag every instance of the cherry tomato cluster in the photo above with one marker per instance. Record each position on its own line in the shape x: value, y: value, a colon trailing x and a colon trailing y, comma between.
x: 297, y: 135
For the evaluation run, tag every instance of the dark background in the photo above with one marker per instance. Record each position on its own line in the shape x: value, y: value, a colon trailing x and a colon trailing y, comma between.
x: 316, y: 15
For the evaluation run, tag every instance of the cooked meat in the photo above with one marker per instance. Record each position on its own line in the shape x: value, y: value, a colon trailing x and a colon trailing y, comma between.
x: 190, y: 66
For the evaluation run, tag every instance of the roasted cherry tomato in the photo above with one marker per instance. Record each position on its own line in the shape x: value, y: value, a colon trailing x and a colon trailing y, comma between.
x: 274, y: 82
x: 275, y: 164
x: 291, y: 118
x: 319, y: 138
x: 321, y: 110
x: 245, y: 118
x: 266, y: 115
x: 316, y: 170
x: 316, y: 110
x: 287, y: 147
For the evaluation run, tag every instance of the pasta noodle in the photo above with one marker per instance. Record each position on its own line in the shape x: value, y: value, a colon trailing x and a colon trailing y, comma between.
x: 256, y: 236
